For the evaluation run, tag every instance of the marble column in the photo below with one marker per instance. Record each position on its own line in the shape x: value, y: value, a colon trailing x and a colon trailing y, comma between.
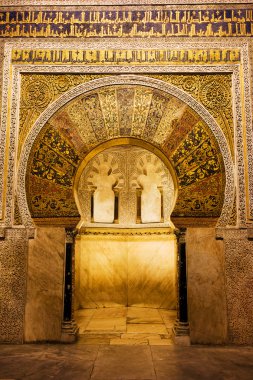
x: 69, y: 326
x: 181, y: 327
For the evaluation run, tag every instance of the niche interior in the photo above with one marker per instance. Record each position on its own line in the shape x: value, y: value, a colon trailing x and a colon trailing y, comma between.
x: 125, y: 247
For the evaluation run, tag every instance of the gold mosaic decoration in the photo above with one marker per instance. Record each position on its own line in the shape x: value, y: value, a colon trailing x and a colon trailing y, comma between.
x: 214, y: 92
x: 125, y: 57
x: 118, y: 111
x: 38, y: 91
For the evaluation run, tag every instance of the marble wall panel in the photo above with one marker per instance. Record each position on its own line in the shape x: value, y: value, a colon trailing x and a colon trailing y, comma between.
x: 206, y: 287
x: 118, y: 270
x: 152, y: 271
x: 44, y: 304
x: 13, y: 264
x: 103, y: 271
x: 239, y: 286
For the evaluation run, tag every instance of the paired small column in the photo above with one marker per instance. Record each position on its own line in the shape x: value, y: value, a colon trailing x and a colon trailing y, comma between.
x: 181, y: 331
x: 69, y: 326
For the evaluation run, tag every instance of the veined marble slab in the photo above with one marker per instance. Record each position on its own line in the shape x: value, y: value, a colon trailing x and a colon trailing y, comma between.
x: 102, y: 272
x: 44, y: 306
x: 126, y: 270
x: 206, y: 287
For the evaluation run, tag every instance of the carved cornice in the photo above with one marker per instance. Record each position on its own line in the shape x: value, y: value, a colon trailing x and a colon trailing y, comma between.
x: 125, y: 231
x: 232, y: 233
x: 189, y: 222
x: 57, y: 222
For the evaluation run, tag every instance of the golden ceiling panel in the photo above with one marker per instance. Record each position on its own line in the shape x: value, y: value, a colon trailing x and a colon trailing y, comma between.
x: 118, y: 111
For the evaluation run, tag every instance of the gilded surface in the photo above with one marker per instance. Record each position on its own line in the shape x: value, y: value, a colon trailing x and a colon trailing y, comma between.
x: 54, y: 159
x: 116, y: 22
x: 135, y: 110
x: 126, y: 56
x: 204, y: 88
x: 37, y: 91
x: 214, y: 92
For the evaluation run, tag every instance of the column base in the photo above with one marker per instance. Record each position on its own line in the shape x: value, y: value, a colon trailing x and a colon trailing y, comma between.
x: 181, y: 333
x: 69, y: 331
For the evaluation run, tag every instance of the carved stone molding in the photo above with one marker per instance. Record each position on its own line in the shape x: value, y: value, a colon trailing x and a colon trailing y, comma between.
x: 231, y: 233
x: 126, y: 231
x: 238, y: 273
x: 13, y: 273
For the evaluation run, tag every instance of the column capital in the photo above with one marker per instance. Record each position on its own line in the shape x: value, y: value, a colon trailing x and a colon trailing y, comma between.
x: 180, y: 234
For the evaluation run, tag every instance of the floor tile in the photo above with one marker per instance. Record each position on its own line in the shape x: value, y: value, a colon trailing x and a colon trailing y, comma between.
x: 146, y: 328
x: 143, y: 315
x: 123, y: 362
x: 160, y: 342
x: 167, y: 314
x: 110, y: 312
x: 123, y: 321
x: 137, y: 336
x: 110, y: 324
x: 82, y: 323
x: 87, y: 339
x: 84, y: 312
x: 129, y: 341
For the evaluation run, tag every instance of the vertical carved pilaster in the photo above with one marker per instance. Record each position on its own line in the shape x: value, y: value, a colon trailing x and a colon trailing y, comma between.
x: 181, y: 327
x: 69, y: 326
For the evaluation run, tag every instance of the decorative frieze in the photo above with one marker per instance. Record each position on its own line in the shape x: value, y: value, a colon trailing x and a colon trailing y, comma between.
x: 125, y: 56
x: 127, y: 22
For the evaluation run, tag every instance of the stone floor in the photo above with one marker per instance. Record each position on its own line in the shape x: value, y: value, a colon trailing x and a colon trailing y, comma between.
x: 124, y: 344
x: 114, y: 362
x: 125, y: 325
